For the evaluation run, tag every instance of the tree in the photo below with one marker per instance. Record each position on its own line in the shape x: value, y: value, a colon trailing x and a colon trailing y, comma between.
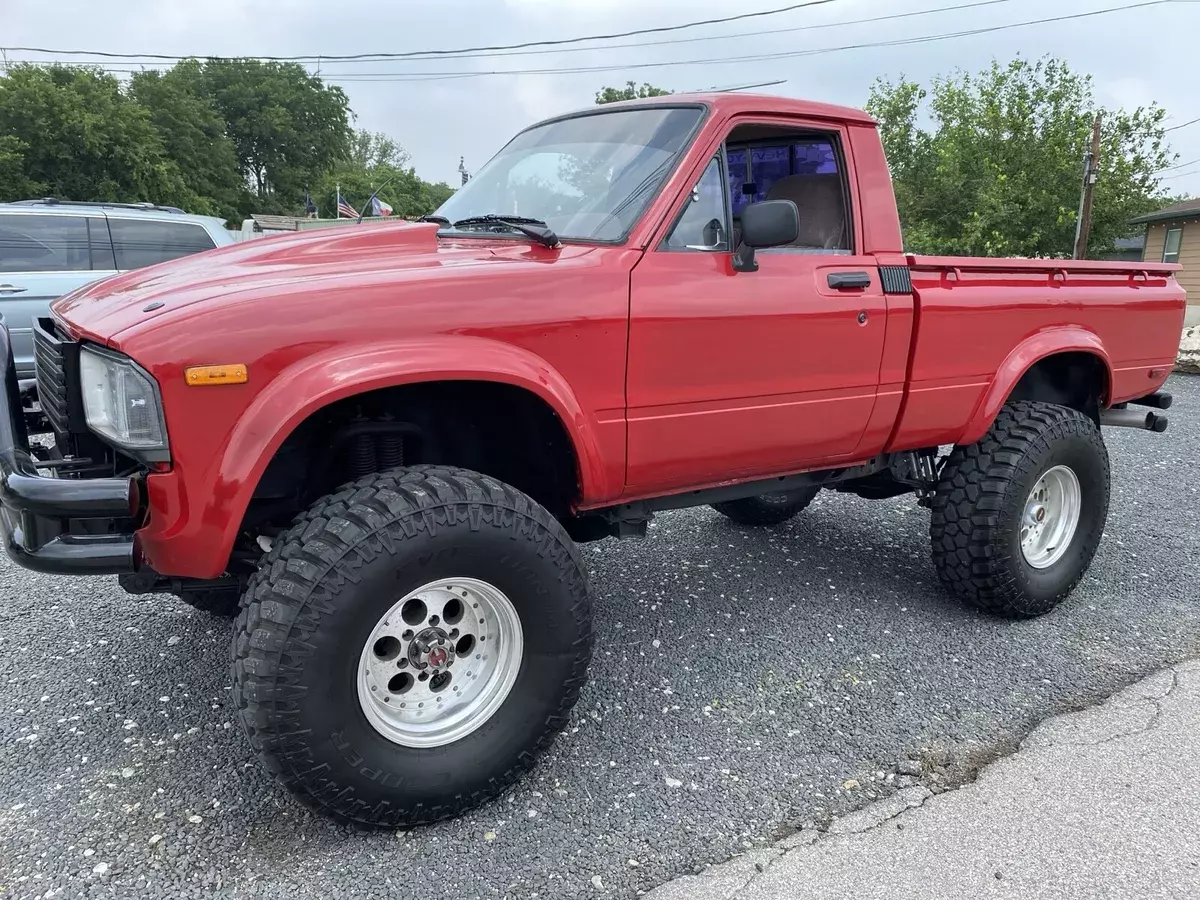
x: 434, y: 194
x: 193, y: 135
x: 13, y: 183
x: 407, y: 194
x: 75, y: 135
x: 998, y: 170
x: 369, y: 149
x: 631, y: 91
x: 222, y: 136
x: 287, y: 126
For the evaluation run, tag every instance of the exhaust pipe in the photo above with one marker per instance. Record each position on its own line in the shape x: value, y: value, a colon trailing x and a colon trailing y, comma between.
x: 1158, y: 400
x: 1131, y: 418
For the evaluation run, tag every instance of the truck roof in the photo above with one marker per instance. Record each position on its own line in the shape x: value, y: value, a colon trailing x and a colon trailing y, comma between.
x: 733, y: 103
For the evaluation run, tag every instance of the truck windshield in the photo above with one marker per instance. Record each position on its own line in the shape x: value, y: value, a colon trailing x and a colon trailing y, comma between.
x: 588, y: 177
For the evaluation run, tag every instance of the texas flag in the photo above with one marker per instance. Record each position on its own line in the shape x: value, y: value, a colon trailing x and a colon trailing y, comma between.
x: 379, y: 208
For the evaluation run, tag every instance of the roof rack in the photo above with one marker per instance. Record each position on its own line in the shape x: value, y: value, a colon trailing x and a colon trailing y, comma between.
x: 54, y: 201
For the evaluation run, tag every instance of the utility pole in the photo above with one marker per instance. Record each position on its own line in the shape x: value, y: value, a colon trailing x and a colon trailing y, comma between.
x: 1091, y: 166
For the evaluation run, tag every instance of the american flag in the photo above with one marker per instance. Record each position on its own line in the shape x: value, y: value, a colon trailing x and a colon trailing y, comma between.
x: 344, y: 208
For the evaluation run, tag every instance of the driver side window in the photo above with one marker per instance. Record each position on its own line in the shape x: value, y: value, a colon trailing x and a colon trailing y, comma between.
x: 704, y: 223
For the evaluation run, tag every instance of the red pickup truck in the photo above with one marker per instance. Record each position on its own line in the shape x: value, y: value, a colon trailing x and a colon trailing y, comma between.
x: 387, y: 440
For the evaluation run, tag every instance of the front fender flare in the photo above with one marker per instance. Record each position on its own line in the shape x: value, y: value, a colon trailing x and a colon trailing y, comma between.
x: 1036, y: 347
x: 220, y: 503
x: 325, y: 378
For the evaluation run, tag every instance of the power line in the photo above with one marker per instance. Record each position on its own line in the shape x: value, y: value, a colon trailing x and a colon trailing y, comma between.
x: 744, y: 87
x: 433, y: 53
x: 1184, y: 125
x: 420, y: 76
x: 1181, y: 165
x: 744, y: 34
x: 1180, y: 175
x: 367, y: 58
x: 761, y: 57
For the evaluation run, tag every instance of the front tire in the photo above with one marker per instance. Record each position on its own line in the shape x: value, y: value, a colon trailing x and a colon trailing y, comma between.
x: 359, y: 601
x: 1017, y: 517
x: 767, y: 509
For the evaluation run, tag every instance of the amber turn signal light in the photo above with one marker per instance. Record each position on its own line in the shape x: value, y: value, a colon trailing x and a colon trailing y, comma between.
x: 201, y: 375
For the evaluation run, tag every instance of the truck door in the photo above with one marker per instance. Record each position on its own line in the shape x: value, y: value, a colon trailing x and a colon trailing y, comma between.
x: 743, y: 374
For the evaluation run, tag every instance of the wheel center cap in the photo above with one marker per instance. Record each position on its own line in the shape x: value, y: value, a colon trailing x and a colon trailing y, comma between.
x: 1040, y: 514
x: 431, y: 650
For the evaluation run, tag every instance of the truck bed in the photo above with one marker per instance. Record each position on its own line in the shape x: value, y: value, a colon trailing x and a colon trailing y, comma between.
x: 976, y: 318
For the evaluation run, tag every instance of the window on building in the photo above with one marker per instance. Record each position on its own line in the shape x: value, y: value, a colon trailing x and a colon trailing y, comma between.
x: 144, y: 243
x: 1171, y: 245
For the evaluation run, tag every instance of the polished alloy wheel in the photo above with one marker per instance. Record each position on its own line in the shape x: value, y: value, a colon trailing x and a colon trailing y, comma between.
x: 440, y: 663
x: 1051, y: 517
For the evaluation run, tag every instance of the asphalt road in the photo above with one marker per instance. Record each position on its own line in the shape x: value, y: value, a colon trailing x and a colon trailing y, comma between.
x: 745, y: 682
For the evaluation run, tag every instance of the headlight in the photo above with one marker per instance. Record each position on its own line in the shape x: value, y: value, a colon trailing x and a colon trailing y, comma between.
x: 120, y: 401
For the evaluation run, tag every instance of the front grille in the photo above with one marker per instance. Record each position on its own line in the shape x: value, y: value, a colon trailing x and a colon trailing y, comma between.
x: 57, y: 362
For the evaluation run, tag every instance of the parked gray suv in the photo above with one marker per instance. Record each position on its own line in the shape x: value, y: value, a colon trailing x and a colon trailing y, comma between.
x: 50, y: 247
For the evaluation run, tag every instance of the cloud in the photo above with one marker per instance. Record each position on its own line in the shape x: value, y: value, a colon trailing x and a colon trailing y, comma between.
x: 1134, y: 55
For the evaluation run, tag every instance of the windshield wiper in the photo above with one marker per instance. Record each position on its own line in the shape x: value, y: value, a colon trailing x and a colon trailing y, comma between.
x: 532, y: 228
x: 440, y: 220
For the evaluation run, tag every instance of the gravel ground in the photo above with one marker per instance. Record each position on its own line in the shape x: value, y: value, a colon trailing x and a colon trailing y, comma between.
x: 745, y: 682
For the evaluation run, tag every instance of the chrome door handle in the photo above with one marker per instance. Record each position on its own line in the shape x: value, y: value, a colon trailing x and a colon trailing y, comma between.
x: 12, y: 289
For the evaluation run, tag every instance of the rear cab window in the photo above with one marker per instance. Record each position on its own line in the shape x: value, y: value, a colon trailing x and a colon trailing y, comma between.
x: 138, y: 243
x: 51, y: 243
x: 767, y: 165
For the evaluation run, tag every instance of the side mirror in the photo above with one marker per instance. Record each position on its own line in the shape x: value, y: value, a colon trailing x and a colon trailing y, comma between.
x: 771, y: 223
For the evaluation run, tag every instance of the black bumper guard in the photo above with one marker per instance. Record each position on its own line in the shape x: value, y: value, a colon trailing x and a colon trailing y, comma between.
x: 36, y: 511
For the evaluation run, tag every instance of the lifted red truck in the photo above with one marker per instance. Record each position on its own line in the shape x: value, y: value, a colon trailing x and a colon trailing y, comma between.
x: 387, y: 440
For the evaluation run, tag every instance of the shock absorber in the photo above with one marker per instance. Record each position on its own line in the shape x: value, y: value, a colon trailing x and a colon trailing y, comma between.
x: 389, y: 448
x: 362, y: 460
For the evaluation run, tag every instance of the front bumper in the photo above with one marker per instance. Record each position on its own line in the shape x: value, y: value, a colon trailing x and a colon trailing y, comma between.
x: 59, y: 525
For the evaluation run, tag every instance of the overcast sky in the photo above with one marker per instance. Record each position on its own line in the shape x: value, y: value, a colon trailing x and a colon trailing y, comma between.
x: 1137, y: 55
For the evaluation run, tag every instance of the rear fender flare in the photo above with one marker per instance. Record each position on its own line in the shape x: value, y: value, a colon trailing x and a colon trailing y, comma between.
x: 1032, y: 350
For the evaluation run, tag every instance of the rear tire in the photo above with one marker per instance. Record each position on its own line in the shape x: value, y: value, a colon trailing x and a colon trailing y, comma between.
x: 767, y: 509
x: 318, y: 639
x: 1017, y: 517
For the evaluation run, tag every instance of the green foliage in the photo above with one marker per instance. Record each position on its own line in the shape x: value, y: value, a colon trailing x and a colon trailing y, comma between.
x: 369, y: 149
x: 76, y: 135
x: 406, y: 193
x: 998, y: 171
x: 631, y: 91
x: 226, y: 137
x: 13, y: 182
x: 193, y: 135
x: 435, y: 194
x: 287, y: 126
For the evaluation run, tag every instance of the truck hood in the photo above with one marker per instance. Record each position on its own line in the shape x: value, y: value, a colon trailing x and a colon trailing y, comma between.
x: 309, y: 261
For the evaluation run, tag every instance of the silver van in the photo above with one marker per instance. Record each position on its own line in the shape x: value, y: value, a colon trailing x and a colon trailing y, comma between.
x: 50, y: 247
